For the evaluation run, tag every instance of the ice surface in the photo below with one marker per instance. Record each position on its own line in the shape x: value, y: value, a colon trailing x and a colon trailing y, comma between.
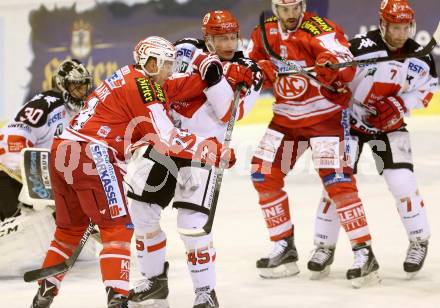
x: 241, y: 238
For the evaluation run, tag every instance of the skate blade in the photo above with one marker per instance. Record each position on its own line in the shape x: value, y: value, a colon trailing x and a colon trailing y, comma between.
x: 150, y: 303
x: 368, y: 280
x: 412, y: 275
x: 320, y: 275
x: 284, y: 270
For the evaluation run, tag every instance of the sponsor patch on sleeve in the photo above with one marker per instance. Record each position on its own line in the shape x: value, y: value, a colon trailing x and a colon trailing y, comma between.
x: 150, y: 92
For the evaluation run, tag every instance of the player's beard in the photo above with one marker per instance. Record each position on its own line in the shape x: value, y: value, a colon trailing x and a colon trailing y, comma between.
x: 291, y: 24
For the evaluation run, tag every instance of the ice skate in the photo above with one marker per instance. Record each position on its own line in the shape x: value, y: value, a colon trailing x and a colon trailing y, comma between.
x: 281, y: 262
x: 206, y: 299
x: 115, y: 300
x: 365, y: 267
x: 152, y: 292
x: 45, y: 295
x: 320, y: 262
x: 415, y: 257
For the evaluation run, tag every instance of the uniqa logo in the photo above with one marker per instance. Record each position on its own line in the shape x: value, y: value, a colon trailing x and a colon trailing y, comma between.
x: 289, y: 87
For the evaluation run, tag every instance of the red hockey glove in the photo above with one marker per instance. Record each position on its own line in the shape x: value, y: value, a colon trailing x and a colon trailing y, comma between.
x: 270, y: 72
x: 210, y: 151
x: 325, y: 74
x: 390, y: 113
x: 210, y: 68
x: 244, y: 71
x: 341, y: 97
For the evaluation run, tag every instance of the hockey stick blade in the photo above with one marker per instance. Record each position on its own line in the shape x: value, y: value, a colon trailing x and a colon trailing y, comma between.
x: 60, y: 268
x: 206, y: 229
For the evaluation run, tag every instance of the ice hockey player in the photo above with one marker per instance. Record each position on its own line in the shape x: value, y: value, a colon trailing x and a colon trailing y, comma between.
x: 204, y: 109
x: 86, y: 161
x: 392, y: 89
x: 306, y: 114
x: 35, y: 125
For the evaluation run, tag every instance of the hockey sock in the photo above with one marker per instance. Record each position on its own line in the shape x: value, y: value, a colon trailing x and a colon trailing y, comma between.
x: 200, y: 251
x: 61, y: 248
x: 403, y: 185
x: 151, y: 252
x: 150, y: 239
x: 352, y: 218
x: 326, y: 223
x: 276, y: 213
x: 114, y: 258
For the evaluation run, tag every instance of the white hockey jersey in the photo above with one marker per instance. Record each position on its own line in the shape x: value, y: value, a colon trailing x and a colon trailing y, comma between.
x: 211, y: 116
x: 414, y: 79
x: 35, y: 125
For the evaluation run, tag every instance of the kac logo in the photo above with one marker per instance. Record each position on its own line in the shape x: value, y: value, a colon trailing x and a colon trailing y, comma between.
x: 290, y: 87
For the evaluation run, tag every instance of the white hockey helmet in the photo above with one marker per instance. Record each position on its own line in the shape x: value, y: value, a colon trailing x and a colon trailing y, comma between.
x: 275, y: 3
x: 72, y: 73
x: 156, y: 47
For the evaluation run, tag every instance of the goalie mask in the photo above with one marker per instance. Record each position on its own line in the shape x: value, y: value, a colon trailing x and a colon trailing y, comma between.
x: 224, y: 26
x: 157, y: 47
x: 397, y: 13
x: 75, y: 83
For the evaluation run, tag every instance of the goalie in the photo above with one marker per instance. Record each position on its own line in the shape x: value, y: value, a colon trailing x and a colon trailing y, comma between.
x: 35, y: 125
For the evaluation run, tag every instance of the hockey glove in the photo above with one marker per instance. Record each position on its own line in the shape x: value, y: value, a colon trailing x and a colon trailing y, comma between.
x: 341, y: 97
x: 210, y: 151
x: 209, y: 67
x: 325, y: 74
x: 390, y: 113
x: 270, y: 72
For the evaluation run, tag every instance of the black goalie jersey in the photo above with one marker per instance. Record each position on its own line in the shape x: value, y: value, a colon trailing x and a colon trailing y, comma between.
x: 35, y: 125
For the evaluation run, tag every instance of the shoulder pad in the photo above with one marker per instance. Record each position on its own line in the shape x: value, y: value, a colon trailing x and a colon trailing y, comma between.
x: 316, y: 25
x: 34, y: 113
x: 367, y: 43
x: 150, y: 91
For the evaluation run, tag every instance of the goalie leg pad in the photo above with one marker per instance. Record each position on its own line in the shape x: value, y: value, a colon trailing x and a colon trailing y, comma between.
x: 200, y: 250
x: 150, y: 239
x: 31, y: 232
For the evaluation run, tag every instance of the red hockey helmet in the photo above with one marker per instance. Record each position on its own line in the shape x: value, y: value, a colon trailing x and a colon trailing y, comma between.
x: 219, y: 22
x: 396, y: 11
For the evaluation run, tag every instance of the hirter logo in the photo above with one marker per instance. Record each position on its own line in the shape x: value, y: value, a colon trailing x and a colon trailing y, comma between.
x: 290, y: 87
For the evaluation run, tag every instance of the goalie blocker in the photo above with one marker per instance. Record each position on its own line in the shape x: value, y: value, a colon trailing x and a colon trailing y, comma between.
x: 37, y: 188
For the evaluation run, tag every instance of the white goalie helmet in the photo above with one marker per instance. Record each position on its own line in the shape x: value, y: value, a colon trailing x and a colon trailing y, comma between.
x: 275, y: 3
x: 156, y: 47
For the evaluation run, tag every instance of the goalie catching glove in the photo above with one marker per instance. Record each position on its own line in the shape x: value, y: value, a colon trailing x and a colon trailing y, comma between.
x: 210, y: 151
x: 390, y: 113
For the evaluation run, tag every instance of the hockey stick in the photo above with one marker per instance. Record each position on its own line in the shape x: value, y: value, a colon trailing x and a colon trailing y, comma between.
x: 435, y: 40
x: 11, y: 173
x: 206, y: 229
x: 292, y: 68
x: 43, y: 273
